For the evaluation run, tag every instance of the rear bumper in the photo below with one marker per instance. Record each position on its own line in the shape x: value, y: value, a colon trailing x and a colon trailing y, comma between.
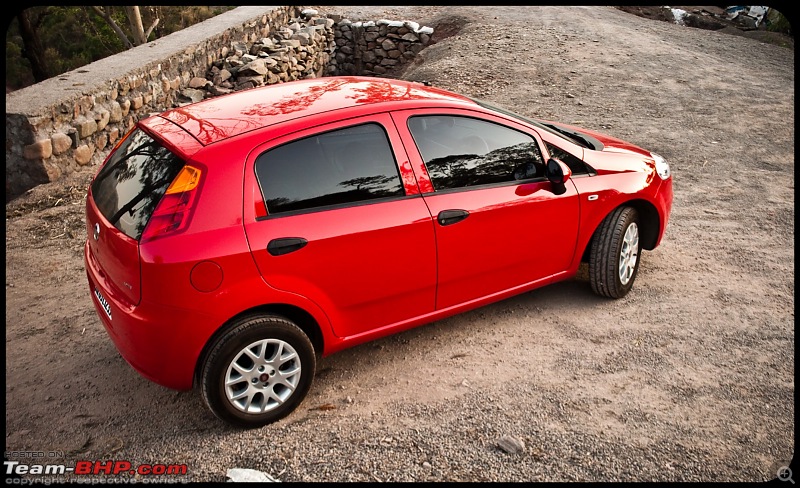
x: 161, y: 343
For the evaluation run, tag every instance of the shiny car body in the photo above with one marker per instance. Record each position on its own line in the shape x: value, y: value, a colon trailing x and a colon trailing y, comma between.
x: 233, y: 241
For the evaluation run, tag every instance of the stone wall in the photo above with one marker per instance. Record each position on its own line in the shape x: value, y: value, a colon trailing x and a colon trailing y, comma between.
x: 55, y: 127
x: 311, y: 46
x: 302, y: 48
x: 376, y: 48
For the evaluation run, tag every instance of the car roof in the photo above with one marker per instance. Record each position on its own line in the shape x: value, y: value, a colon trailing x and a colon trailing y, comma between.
x: 229, y: 115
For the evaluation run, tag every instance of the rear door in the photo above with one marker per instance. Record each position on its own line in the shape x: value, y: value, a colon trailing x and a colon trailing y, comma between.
x: 343, y: 224
x: 499, y: 222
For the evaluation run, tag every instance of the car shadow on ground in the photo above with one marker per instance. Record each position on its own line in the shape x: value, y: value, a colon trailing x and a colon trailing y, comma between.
x: 183, y: 411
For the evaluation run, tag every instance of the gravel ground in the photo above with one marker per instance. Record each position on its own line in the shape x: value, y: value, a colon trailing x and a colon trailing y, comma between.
x: 688, y: 378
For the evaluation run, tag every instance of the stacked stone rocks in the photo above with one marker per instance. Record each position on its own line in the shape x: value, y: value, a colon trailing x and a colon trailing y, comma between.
x: 375, y: 48
x: 311, y: 46
x: 301, y: 49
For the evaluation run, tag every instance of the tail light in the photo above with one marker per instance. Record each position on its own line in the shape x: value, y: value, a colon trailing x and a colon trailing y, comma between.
x: 173, y: 211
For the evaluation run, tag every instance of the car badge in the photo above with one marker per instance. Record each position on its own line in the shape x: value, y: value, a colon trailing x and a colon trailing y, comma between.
x: 96, y: 231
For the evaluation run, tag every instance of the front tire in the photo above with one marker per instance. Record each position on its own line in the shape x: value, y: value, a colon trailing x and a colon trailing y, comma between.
x: 258, y: 371
x: 616, y: 249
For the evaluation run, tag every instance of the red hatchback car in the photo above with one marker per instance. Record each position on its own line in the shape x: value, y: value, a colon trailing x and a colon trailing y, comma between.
x: 234, y: 241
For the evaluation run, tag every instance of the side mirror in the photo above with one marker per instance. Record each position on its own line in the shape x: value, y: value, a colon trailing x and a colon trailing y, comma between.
x: 557, y: 172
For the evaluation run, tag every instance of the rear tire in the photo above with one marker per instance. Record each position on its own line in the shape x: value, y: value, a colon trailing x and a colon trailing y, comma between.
x: 258, y: 371
x: 615, y: 255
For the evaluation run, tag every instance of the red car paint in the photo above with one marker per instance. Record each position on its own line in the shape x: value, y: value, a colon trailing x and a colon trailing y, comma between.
x: 368, y: 270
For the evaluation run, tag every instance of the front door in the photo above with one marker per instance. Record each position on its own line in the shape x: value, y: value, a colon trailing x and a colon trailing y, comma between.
x: 499, y: 222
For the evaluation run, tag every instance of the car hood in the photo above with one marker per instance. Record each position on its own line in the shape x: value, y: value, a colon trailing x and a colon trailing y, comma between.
x: 611, y: 154
x: 612, y: 144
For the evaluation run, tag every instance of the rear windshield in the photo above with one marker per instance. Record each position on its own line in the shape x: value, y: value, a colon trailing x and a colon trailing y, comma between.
x: 132, y: 182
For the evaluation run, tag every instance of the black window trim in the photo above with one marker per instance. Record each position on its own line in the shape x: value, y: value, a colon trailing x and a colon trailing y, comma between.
x: 501, y: 184
x: 338, y: 206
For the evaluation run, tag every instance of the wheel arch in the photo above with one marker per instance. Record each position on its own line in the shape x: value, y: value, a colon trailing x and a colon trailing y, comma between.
x: 304, y: 320
x: 649, y: 225
x: 649, y: 222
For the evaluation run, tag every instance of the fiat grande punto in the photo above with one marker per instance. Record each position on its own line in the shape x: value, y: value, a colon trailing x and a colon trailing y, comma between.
x: 234, y: 242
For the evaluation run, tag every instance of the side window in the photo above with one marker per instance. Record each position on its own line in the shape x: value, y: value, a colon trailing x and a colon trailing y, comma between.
x: 462, y: 151
x: 342, y: 166
x: 575, y: 163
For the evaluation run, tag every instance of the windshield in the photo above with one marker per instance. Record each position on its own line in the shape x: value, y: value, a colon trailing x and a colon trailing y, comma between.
x: 576, y: 137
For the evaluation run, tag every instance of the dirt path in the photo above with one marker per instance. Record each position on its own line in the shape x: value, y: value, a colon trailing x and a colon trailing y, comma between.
x: 690, y: 377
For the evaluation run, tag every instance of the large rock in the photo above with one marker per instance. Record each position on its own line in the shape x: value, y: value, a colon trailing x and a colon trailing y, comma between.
x: 198, y: 82
x: 511, y: 445
x: 192, y: 94
x: 61, y: 142
x: 254, y: 68
x: 221, y: 75
x: 102, y: 117
x: 83, y: 154
x: 42, y: 149
x: 85, y: 126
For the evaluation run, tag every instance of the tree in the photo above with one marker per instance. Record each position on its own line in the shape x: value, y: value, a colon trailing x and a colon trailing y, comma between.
x: 134, y: 16
x: 29, y: 21
x: 45, y: 41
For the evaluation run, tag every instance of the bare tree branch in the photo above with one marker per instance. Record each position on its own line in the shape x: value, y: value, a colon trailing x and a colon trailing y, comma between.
x: 105, y: 13
x: 150, y: 30
x: 135, y: 21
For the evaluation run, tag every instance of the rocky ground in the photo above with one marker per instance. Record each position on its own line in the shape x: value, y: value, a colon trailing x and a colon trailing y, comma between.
x: 688, y: 378
x: 717, y: 19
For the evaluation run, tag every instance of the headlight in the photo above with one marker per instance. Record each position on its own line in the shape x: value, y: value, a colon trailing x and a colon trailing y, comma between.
x: 662, y: 166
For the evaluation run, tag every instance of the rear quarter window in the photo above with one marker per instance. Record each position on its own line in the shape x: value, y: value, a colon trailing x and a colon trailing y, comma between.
x: 131, y: 183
